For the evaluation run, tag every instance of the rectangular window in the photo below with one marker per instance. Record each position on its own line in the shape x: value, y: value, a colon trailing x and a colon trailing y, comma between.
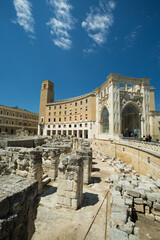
x: 48, y: 114
x: 75, y: 125
x: 85, y: 124
x: 48, y: 126
x: 80, y: 117
x: 64, y: 112
x: 60, y: 107
x: 65, y: 106
x: 59, y: 113
x: 59, y: 126
x: 86, y: 100
x: 54, y: 107
x: 80, y: 102
x: 64, y: 126
x: 12, y: 122
x: 64, y: 119
x: 75, y: 118
x: 13, y: 114
x: 6, y: 121
x: 54, y: 126
x: 42, y: 119
x: 59, y: 119
x: 49, y: 119
x: 54, y: 113
x: 69, y: 125
x: 70, y: 119
x: 1, y: 112
x: 80, y: 125
x: 7, y: 113
x: 75, y: 111
x: 49, y: 108
x: 0, y: 121
x: 75, y: 104
x: 86, y: 116
x: 54, y: 119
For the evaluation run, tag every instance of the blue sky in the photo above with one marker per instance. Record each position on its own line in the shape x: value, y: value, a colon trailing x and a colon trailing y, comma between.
x: 75, y: 44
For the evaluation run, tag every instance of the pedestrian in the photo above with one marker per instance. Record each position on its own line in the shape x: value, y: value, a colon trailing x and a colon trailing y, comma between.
x: 149, y: 138
x: 144, y: 138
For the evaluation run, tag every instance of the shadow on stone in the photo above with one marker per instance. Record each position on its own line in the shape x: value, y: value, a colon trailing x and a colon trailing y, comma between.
x: 95, y: 169
x: 94, y: 163
x: 48, y: 190
x: 89, y: 199
x: 96, y: 180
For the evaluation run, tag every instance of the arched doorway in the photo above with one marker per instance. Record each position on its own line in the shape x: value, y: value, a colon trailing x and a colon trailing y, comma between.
x: 105, y: 121
x: 130, y: 121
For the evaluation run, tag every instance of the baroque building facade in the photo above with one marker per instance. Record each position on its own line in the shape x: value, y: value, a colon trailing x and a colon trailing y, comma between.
x: 120, y: 106
x: 13, y: 118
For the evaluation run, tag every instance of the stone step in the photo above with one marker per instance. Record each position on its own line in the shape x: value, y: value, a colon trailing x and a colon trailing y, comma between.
x: 45, y: 181
x: 44, y: 176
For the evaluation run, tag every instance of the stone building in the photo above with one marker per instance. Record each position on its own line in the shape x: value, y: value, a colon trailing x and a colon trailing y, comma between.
x: 120, y: 106
x: 13, y: 118
x: 74, y: 116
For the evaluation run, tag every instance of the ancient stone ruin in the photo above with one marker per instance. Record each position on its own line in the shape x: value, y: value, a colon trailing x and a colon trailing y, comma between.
x: 25, y: 172
x: 70, y: 181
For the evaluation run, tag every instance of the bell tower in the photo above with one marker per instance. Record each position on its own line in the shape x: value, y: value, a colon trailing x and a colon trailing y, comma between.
x: 47, y: 96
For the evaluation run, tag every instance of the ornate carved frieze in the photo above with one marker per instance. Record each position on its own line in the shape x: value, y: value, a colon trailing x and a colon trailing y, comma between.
x: 126, y: 97
x: 103, y: 102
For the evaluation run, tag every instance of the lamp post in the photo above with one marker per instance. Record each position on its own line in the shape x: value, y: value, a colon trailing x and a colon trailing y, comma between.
x: 140, y: 115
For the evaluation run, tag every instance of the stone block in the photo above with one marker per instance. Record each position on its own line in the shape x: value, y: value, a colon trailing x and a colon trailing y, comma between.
x: 133, y: 237
x: 152, y: 197
x: 139, y: 208
x: 157, y: 183
x: 138, y: 200
x: 157, y: 218
x: 156, y: 206
x: 118, y: 219
x: 118, y: 234
x: 150, y: 216
x: 133, y: 193
x: 128, y: 227
x: 136, y: 232
x: 147, y: 209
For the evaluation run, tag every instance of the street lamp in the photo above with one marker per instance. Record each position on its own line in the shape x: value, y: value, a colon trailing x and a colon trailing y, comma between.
x: 140, y: 115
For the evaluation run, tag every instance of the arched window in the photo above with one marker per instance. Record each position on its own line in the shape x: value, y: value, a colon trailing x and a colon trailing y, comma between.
x: 105, y: 121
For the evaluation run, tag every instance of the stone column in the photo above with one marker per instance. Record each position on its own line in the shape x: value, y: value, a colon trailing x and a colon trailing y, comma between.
x: 70, y: 182
x: 86, y: 154
x: 39, y: 130
x: 50, y: 160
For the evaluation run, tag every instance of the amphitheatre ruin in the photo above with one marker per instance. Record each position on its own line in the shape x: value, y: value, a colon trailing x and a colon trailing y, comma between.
x: 80, y: 184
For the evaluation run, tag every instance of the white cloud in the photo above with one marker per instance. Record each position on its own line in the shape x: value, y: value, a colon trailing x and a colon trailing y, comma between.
x: 132, y: 37
x: 24, y: 16
x: 62, y: 23
x: 99, y: 20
